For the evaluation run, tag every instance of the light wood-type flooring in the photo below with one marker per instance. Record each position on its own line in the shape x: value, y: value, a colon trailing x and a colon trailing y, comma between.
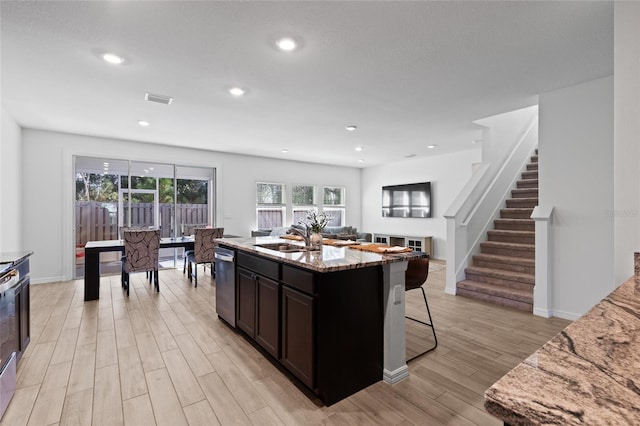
x: 166, y: 359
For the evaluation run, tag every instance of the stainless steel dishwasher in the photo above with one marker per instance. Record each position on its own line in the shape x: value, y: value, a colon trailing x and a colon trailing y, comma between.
x: 226, y: 284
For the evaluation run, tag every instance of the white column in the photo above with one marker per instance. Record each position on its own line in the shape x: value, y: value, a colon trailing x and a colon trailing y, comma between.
x: 542, y: 291
x: 394, y: 356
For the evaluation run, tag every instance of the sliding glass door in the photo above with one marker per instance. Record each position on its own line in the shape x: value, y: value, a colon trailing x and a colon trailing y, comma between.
x: 113, y: 194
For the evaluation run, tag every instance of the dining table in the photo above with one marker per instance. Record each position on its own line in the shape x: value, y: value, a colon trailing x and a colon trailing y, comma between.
x: 92, y: 252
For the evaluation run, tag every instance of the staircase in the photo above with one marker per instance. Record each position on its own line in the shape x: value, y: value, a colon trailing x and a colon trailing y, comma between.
x: 504, y: 271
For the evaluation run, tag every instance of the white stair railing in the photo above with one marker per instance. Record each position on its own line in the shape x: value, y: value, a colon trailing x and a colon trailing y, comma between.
x: 508, y: 142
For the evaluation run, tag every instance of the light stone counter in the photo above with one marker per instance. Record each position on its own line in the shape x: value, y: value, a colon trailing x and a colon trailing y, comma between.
x: 589, y: 374
x: 329, y: 259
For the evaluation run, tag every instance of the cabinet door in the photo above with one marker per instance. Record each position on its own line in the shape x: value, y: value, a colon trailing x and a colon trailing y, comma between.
x: 246, y: 301
x: 298, y: 337
x: 268, y: 315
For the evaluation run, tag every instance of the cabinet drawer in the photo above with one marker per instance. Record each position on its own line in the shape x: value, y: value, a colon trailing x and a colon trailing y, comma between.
x: 262, y: 266
x: 298, y: 279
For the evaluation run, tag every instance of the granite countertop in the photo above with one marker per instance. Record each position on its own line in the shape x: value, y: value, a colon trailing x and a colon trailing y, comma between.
x: 589, y: 374
x: 14, y: 257
x: 328, y: 259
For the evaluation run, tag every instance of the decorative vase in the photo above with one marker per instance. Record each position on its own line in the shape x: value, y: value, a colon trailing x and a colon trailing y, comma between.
x: 315, y: 241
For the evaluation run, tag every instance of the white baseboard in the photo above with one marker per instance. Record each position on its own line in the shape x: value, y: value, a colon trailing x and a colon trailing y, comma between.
x: 572, y: 316
x: 542, y: 312
x: 398, y: 375
x: 47, y: 280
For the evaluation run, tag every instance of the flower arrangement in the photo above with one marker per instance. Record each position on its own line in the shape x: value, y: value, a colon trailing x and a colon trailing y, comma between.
x: 316, y: 221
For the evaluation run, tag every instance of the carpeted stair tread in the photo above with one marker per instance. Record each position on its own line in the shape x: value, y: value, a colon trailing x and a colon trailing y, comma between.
x: 512, y: 246
x: 508, y: 249
x: 524, y: 193
x: 516, y: 213
x: 522, y: 202
x: 496, y: 295
x: 511, y: 232
x: 502, y: 274
x: 496, y: 290
x: 527, y: 183
x: 512, y: 236
x: 530, y: 174
x: 515, y: 224
x: 505, y: 259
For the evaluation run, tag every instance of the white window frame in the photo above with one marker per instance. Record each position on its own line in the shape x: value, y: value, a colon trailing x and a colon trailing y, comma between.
x: 341, y: 207
x: 304, y: 208
x: 282, y: 207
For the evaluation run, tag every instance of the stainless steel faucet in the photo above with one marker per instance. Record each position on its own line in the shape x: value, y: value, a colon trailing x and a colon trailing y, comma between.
x: 306, y: 235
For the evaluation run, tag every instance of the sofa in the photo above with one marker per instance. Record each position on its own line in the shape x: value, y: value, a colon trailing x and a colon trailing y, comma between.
x: 335, y: 232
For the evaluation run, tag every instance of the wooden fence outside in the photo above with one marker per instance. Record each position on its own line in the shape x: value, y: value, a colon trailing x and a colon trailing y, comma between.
x: 97, y: 221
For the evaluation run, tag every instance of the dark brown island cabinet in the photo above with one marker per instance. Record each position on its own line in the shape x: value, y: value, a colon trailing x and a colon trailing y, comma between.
x: 325, y: 329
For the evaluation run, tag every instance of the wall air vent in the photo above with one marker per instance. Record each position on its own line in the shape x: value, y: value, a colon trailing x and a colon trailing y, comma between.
x: 161, y: 99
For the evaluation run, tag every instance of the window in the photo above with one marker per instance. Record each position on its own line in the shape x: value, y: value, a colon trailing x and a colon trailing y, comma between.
x: 334, y: 205
x: 304, y: 199
x: 270, y: 205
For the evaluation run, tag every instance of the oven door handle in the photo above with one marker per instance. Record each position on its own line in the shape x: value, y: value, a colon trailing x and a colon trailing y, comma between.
x: 9, y: 280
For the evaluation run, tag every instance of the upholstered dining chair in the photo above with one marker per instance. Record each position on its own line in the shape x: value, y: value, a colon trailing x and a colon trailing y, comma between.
x: 415, y: 277
x: 203, y: 250
x: 141, y: 248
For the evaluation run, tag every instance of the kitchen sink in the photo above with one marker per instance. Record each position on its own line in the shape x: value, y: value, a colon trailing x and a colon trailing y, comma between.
x: 283, y: 247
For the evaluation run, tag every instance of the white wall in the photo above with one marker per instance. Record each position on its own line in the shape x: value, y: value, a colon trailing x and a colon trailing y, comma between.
x: 48, y: 185
x: 447, y: 173
x: 576, y: 178
x: 10, y: 185
x: 627, y: 137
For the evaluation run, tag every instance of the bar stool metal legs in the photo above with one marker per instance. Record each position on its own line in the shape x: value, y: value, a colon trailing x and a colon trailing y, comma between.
x: 429, y: 324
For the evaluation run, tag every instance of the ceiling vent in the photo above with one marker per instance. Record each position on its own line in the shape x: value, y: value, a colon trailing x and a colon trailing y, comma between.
x: 161, y: 99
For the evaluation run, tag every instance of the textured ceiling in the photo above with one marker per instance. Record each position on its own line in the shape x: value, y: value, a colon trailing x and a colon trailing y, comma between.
x: 408, y: 74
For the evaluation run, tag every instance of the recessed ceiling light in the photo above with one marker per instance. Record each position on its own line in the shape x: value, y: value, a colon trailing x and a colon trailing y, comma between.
x: 112, y: 58
x: 143, y: 123
x: 237, y: 91
x: 359, y: 148
x: 431, y: 146
x: 409, y: 155
x: 351, y: 128
x: 361, y: 160
x: 285, y: 151
x: 287, y: 44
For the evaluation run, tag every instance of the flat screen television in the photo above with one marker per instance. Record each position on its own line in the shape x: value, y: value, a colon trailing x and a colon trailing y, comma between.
x: 408, y: 200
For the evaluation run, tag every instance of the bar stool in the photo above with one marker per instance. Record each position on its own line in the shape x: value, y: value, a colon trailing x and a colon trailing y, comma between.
x: 415, y: 276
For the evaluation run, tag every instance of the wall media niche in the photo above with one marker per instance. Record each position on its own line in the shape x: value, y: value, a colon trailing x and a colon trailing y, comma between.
x: 408, y: 200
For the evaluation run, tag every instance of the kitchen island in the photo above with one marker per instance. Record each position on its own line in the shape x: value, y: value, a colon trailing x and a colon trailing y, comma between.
x: 332, y: 318
x: 587, y: 375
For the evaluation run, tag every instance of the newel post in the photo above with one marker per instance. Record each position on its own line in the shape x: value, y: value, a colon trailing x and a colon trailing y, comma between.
x: 543, y: 290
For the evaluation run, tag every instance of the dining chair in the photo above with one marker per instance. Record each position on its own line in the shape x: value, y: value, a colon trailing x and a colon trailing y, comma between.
x: 141, y: 248
x: 203, y: 251
x: 415, y: 277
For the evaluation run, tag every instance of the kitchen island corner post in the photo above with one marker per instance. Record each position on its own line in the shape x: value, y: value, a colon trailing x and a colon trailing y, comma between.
x: 395, y: 365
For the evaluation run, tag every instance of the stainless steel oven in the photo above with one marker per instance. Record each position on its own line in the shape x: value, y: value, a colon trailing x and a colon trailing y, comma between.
x: 9, y: 336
